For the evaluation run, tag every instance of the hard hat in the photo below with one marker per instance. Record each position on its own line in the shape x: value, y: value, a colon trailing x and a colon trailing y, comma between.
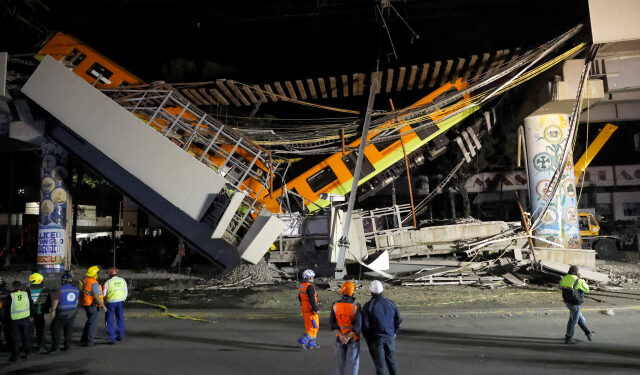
x: 66, y: 277
x: 348, y: 288
x: 93, y: 271
x: 376, y: 287
x: 308, y: 274
x: 113, y: 271
x: 35, y: 278
x: 573, y: 270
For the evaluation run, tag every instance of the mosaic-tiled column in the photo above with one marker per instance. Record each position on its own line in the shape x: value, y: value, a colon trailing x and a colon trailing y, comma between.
x: 54, y: 195
x: 546, y: 134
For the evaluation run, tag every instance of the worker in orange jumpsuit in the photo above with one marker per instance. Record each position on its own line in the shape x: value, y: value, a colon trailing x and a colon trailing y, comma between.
x: 309, y: 304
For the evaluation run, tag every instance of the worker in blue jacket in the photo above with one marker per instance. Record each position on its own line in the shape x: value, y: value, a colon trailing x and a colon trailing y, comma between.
x: 380, y: 323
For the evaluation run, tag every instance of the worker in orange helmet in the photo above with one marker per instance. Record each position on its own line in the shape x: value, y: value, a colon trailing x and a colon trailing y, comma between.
x: 309, y: 304
x: 346, y: 321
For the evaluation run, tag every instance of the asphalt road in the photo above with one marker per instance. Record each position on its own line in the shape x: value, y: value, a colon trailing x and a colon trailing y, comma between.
x: 263, y: 342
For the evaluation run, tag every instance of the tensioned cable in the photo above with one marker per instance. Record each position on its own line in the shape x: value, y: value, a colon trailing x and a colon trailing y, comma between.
x: 462, y: 105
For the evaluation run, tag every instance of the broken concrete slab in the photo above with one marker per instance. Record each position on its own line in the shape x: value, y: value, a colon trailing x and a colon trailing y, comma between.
x: 585, y: 274
x: 511, y: 278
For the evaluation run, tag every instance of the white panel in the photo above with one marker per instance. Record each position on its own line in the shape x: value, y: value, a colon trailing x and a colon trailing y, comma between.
x: 226, y: 217
x: 357, y: 244
x: 619, y: 200
x: 614, y: 20
x: 142, y: 151
x: 613, y: 111
x: 30, y: 132
x: 627, y: 175
x: 264, y: 231
x: 623, y: 74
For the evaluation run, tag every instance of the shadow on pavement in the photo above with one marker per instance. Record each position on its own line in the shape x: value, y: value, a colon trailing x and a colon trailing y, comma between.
x: 585, y: 350
x: 216, y: 341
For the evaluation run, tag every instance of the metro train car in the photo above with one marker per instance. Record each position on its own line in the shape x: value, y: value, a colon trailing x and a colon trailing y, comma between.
x: 86, y: 62
x: 334, y: 175
x: 103, y: 73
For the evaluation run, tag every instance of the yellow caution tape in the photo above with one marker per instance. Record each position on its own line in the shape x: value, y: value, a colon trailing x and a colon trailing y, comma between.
x: 166, y: 312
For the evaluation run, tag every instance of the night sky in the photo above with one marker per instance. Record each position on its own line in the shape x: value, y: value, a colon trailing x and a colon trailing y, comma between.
x: 259, y: 41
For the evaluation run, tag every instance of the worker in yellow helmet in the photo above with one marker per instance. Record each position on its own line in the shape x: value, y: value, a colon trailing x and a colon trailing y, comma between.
x: 92, y: 301
x: 40, y: 304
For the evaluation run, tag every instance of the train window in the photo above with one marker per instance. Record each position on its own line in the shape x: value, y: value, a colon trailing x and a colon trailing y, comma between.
x: 383, y: 145
x: 74, y: 58
x: 425, y: 132
x: 321, y: 179
x: 100, y: 72
x: 350, y: 160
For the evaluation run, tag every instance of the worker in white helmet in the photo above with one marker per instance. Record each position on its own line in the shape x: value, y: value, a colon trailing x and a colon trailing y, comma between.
x: 309, y: 305
x: 380, y: 323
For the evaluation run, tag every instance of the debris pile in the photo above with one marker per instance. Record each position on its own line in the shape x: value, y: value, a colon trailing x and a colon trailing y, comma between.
x: 246, y: 275
x: 621, y: 273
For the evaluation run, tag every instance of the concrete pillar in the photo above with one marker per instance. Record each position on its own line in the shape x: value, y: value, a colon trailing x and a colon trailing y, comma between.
x: 546, y: 131
x: 53, y: 231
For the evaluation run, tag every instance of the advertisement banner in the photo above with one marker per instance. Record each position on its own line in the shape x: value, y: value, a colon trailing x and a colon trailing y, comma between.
x: 52, y: 240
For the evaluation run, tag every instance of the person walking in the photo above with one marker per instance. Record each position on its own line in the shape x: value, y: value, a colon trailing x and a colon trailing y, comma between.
x: 63, y: 311
x: 115, y: 293
x: 40, y: 305
x: 380, y: 323
x: 346, y: 320
x: 91, y: 301
x: 573, y: 290
x: 21, y: 330
x: 309, y: 305
x: 5, y: 316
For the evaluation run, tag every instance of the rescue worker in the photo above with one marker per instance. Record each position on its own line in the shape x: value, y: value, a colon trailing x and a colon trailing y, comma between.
x: 21, y: 331
x: 309, y: 305
x: 380, y: 323
x: 63, y: 312
x: 573, y: 289
x: 40, y: 304
x: 346, y: 320
x: 91, y: 302
x: 5, y: 317
x: 115, y: 293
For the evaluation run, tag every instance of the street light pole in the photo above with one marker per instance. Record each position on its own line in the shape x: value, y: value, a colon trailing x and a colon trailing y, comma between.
x: 343, y: 243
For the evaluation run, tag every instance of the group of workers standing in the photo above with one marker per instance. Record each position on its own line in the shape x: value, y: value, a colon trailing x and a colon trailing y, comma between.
x: 378, y: 322
x: 23, y: 309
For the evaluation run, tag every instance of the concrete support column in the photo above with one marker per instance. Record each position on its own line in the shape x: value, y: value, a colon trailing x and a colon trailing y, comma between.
x: 546, y: 131
x: 53, y: 231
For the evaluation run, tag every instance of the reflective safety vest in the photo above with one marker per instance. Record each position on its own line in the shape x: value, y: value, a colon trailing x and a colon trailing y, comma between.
x: 19, y: 305
x: 68, y: 298
x: 304, y: 298
x: 87, y: 297
x: 39, y: 297
x: 115, y: 291
x: 345, y: 314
